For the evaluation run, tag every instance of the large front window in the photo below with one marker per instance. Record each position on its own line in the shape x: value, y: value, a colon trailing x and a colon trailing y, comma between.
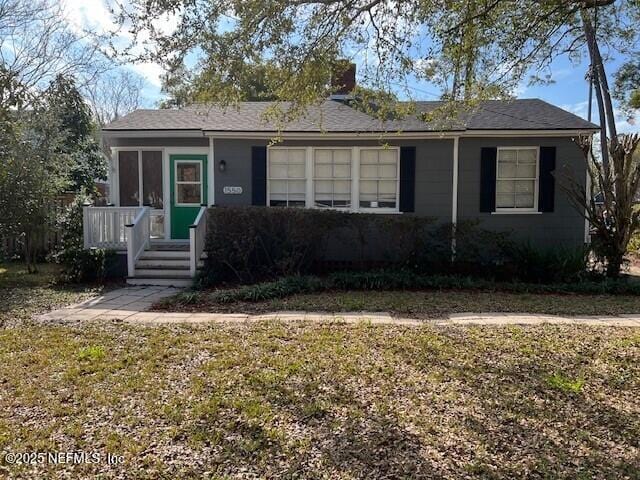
x: 345, y: 178
x: 287, y: 179
x: 517, y: 178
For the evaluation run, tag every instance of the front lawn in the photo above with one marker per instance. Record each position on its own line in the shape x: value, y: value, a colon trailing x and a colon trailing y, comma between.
x: 296, y: 400
x: 23, y: 295
x: 417, y: 304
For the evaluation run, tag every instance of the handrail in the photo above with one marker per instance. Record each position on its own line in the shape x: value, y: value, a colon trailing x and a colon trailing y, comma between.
x: 138, y: 238
x: 197, y: 239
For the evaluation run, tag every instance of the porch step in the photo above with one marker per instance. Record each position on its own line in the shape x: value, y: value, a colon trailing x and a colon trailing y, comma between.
x: 165, y: 254
x: 160, y: 282
x: 162, y: 272
x: 170, y: 247
x: 159, y: 262
x: 163, y: 265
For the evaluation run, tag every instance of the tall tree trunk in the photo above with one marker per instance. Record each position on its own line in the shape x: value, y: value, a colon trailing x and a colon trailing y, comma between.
x: 603, y: 95
x: 616, y: 165
x: 469, y: 46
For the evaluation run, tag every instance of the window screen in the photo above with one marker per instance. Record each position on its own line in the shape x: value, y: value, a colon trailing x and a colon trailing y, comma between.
x: 129, y: 180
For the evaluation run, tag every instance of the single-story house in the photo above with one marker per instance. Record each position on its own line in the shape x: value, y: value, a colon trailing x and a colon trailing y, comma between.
x: 498, y: 165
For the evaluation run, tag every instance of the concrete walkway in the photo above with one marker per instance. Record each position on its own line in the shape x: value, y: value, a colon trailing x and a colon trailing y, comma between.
x: 131, y: 304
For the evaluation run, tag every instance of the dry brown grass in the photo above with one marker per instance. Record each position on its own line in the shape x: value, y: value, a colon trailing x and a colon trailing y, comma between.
x: 276, y: 400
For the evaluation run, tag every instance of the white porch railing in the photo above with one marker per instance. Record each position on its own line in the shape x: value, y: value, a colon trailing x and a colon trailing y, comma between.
x: 104, y: 227
x: 197, y: 239
x: 138, y: 238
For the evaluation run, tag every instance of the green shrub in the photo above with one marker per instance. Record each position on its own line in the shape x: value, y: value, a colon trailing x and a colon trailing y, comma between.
x: 251, y: 244
x: 282, y: 288
x: 409, y: 280
x: 80, y: 264
x: 527, y: 263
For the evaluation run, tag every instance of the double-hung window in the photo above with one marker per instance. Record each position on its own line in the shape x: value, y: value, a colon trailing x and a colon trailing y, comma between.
x: 517, y: 179
x: 379, y: 178
x: 287, y: 177
x: 332, y: 177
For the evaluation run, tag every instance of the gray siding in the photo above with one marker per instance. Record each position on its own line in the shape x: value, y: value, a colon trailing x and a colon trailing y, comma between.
x: 433, y: 170
x: 237, y: 155
x: 563, y: 226
x: 434, y: 178
x: 434, y: 173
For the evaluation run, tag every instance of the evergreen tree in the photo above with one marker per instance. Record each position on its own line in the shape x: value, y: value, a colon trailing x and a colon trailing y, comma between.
x: 80, y: 145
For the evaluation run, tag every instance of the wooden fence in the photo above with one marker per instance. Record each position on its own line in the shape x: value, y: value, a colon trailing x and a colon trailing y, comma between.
x: 11, y: 247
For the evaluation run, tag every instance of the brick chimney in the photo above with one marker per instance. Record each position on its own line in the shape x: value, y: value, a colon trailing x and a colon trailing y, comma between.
x: 343, y: 80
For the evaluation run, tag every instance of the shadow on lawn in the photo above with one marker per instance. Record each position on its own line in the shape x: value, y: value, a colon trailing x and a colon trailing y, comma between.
x: 486, y: 416
x: 375, y: 446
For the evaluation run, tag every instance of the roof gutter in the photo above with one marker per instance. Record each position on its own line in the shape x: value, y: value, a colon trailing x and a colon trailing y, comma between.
x: 397, y: 135
x: 343, y: 135
x: 145, y: 133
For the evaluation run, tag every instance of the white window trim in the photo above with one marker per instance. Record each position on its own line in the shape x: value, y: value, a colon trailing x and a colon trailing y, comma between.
x: 307, y: 178
x: 520, y: 210
x: 114, y: 186
x: 355, y: 177
x: 176, y: 182
x: 381, y: 210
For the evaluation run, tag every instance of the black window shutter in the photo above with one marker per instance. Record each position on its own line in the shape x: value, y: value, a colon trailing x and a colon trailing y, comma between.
x: 488, y: 157
x: 546, y: 184
x: 407, y: 179
x: 258, y: 175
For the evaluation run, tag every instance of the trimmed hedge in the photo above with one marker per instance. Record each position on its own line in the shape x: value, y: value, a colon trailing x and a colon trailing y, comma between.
x: 251, y: 244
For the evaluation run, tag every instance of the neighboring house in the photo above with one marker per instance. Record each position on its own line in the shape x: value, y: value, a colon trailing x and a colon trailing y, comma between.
x: 499, y: 166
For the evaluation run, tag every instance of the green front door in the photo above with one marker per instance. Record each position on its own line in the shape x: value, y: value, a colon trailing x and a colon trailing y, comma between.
x: 188, y: 191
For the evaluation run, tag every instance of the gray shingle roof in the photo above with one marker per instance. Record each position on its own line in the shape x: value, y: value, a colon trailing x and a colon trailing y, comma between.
x: 332, y: 116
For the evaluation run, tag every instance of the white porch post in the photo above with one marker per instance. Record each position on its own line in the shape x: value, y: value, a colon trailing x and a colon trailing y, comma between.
x: 454, y: 189
x: 86, y: 228
x: 454, y: 197
x: 131, y: 262
x: 114, y: 186
x: 211, y: 191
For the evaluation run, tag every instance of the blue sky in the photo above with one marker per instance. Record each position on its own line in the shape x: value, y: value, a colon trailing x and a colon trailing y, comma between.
x: 570, y: 90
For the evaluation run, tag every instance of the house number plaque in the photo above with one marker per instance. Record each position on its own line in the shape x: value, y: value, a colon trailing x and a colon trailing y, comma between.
x: 232, y: 190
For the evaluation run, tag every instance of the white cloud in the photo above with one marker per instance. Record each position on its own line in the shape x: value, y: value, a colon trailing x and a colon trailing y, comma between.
x: 94, y: 16
x: 150, y: 71
x: 89, y: 15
